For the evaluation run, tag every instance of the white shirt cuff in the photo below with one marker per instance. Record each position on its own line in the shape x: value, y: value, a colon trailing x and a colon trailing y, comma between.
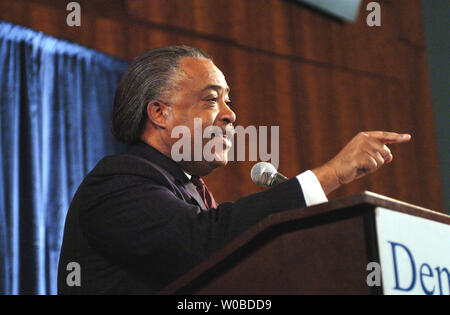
x: 312, y: 190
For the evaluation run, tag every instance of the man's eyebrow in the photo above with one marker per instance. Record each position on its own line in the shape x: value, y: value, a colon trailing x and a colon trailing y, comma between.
x: 216, y: 87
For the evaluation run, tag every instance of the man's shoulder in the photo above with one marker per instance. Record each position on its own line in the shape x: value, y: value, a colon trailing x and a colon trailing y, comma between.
x: 125, y: 165
x: 118, y: 174
x: 140, y: 169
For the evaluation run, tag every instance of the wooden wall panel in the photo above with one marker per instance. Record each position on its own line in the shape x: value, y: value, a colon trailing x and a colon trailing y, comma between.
x: 410, y: 26
x: 262, y: 24
x: 417, y: 91
x: 321, y: 80
x: 99, y: 32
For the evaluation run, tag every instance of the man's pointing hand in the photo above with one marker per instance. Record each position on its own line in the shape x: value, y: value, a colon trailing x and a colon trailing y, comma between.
x: 364, y: 154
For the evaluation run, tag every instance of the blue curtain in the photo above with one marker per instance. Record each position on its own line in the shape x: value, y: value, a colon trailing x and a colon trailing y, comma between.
x: 56, y: 99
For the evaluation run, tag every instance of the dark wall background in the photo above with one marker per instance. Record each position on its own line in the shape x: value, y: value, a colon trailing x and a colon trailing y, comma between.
x: 319, y: 79
x: 436, y: 15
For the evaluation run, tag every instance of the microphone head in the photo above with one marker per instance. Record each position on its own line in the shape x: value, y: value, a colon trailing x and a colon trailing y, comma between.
x: 262, y: 173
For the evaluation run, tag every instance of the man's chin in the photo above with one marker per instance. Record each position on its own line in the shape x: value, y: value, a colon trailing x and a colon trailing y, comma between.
x: 218, y: 163
x: 211, y: 166
x: 202, y: 168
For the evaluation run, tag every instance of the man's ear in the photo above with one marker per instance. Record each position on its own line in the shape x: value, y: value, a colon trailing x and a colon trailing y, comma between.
x: 158, y: 114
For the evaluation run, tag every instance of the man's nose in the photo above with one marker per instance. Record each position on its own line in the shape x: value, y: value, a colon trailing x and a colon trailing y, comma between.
x: 227, y: 114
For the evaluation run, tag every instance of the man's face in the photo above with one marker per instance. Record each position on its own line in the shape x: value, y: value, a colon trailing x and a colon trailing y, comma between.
x: 201, y: 91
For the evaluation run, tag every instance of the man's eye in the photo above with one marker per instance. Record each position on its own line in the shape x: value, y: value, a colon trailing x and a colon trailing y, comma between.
x: 229, y: 103
x: 214, y: 99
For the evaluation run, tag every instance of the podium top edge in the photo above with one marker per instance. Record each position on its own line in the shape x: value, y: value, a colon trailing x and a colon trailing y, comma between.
x: 379, y: 200
x: 375, y: 200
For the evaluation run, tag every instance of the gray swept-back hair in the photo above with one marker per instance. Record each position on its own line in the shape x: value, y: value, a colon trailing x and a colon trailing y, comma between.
x: 147, y: 78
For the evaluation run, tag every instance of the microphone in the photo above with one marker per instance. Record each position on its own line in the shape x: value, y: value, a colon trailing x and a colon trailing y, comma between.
x: 265, y: 174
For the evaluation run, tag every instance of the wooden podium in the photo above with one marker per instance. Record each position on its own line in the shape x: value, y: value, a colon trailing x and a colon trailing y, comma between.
x: 324, y: 249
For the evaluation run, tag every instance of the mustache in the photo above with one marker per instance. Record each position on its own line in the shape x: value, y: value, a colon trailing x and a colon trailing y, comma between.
x: 227, y: 131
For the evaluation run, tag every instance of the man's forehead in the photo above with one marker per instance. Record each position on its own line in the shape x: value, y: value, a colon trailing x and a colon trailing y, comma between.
x: 217, y: 87
x: 203, y: 72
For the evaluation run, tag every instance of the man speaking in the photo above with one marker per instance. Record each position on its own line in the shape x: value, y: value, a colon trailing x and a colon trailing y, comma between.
x: 140, y: 220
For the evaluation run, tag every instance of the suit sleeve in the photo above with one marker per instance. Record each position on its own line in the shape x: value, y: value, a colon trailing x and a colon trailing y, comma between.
x: 150, y: 229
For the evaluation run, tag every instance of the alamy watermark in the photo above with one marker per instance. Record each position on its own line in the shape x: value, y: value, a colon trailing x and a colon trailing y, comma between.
x: 73, y: 278
x: 374, y: 17
x: 74, y: 17
x: 213, y: 143
x: 374, y: 277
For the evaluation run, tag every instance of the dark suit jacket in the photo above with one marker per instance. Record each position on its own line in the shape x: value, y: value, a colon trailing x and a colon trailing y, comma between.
x: 137, y: 223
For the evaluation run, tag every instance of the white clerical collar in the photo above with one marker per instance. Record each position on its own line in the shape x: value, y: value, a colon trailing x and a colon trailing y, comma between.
x: 188, y: 175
